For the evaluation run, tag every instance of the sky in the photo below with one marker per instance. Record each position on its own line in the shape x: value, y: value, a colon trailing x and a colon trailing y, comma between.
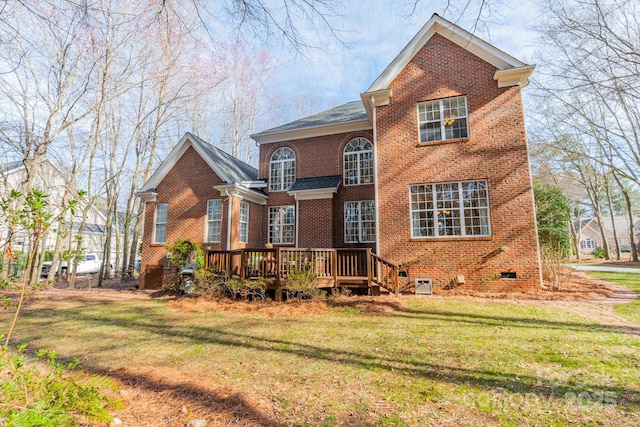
x: 374, y: 32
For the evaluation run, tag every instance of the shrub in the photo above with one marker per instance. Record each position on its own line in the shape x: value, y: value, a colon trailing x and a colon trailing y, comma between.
x: 31, y: 397
x: 208, y: 283
x: 253, y: 290
x: 599, y: 252
x: 302, y: 285
x: 183, y: 252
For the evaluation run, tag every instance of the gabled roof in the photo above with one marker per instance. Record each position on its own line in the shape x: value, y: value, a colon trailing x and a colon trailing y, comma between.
x: 357, y: 115
x: 438, y: 25
x: 348, y: 117
x: 510, y: 71
x: 580, y: 224
x: 227, y: 167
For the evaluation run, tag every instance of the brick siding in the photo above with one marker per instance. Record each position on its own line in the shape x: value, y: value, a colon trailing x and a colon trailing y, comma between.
x: 495, y: 151
x: 186, y: 188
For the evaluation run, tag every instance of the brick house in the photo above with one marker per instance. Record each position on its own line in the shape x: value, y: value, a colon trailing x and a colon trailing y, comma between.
x: 429, y: 169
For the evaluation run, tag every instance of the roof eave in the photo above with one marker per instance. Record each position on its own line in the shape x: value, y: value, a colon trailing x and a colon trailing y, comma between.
x: 314, y: 194
x: 235, y: 189
x: 514, y: 77
x: 312, y: 131
x: 147, y: 196
x: 375, y: 98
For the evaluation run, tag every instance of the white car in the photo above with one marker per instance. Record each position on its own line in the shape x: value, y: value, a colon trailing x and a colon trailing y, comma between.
x: 87, y: 264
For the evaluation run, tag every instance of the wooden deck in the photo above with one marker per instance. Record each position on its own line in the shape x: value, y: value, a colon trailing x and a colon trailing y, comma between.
x: 334, y: 267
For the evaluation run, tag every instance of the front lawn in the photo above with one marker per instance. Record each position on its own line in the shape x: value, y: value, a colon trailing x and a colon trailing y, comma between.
x: 418, y: 362
x: 629, y: 311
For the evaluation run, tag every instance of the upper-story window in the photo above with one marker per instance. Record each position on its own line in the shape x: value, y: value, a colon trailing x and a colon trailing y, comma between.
x: 443, y: 119
x: 282, y: 169
x: 358, y: 162
x: 160, y: 223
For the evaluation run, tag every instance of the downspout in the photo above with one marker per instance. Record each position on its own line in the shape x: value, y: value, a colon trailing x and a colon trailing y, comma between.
x: 230, y: 210
x: 376, y: 200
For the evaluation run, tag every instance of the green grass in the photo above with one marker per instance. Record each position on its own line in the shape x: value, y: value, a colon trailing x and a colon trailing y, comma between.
x: 605, y: 265
x: 433, y: 362
x: 629, y: 311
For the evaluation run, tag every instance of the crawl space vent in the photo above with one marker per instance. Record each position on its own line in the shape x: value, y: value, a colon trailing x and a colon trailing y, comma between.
x: 424, y: 286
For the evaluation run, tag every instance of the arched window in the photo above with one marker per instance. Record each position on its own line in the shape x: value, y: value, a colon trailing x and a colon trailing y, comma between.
x: 282, y: 170
x: 358, y: 162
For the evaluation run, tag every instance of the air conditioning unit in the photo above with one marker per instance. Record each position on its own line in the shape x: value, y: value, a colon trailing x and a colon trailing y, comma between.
x: 424, y: 286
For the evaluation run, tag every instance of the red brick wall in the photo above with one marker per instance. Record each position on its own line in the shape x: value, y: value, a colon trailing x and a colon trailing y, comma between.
x: 319, y: 156
x: 315, y: 157
x: 495, y: 151
x: 316, y: 223
x: 186, y: 188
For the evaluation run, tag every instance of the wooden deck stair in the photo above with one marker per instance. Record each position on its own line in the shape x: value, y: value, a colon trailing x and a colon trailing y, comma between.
x: 333, y: 267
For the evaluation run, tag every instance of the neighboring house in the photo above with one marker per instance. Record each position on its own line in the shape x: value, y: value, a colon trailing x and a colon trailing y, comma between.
x: 429, y: 169
x: 53, y: 182
x: 590, y: 236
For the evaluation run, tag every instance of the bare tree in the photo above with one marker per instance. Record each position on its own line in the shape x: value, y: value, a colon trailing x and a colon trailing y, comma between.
x: 589, y: 86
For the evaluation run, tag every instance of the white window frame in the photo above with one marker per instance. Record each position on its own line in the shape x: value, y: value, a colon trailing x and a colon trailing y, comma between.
x: 160, y: 222
x: 243, y: 229
x: 282, y: 170
x: 443, y: 115
x: 277, y: 228
x: 214, y: 217
x: 360, y: 221
x: 443, y: 212
x: 588, y: 243
x: 354, y: 156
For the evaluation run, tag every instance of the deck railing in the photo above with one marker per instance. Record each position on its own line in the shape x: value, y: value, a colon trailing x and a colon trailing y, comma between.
x: 332, y: 265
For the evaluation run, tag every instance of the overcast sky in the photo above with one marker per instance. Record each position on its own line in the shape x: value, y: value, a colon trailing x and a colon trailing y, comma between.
x: 375, y: 31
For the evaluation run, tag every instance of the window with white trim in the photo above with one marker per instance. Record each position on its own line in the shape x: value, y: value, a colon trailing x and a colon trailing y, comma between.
x: 450, y: 209
x: 360, y: 222
x: 358, y: 162
x: 160, y: 223
x: 244, y: 222
x: 443, y: 119
x: 214, y: 220
x: 588, y: 244
x: 281, y: 224
x: 282, y: 169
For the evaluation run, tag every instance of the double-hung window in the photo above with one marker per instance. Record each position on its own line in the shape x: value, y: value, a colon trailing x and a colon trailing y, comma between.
x: 160, y: 223
x: 282, y: 169
x: 281, y: 224
x: 443, y: 119
x: 244, y: 222
x: 214, y: 220
x: 358, y: 162
x: 450, y: 209
x: 360, y: 222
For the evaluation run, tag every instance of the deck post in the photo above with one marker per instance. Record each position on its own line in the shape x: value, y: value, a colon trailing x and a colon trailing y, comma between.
x: 278, y: 295
x: 369, y: 269
x: 334, y: 267
x: 242, y: 265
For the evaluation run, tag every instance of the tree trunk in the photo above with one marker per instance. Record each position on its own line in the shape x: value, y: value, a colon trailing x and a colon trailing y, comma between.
x: 613, y: 220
